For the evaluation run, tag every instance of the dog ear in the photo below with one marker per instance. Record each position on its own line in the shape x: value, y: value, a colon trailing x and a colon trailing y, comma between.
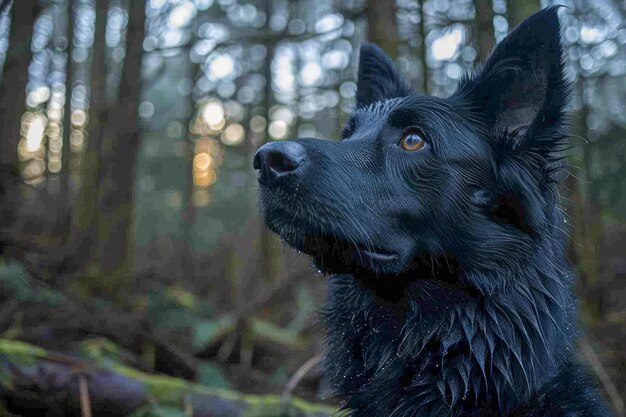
x: 520, y: 93
x: 378, y: 77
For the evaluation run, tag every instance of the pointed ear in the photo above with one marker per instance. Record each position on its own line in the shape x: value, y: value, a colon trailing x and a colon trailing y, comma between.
x: 521, y: 88
x: 378, y: 77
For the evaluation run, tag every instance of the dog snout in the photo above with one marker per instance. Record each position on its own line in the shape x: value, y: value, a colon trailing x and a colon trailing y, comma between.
x: 279, y: 159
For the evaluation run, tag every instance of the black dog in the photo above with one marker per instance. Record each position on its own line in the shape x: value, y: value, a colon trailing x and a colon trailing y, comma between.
x: 440, y: 221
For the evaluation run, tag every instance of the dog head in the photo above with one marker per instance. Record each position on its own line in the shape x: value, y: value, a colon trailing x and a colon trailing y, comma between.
x: 469, y: 178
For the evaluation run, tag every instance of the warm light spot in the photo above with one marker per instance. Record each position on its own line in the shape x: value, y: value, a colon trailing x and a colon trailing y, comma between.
x: 217, y: 126
x: 278, y: 129
x: 202, y: 161
x: 205, y: 179
x: 213, y: 113
x: 233, y: 135
x: 35, y: 133
x: 79, y: 118
x: 209, y: 146
x: 205, y: 162
x: 200, y: 198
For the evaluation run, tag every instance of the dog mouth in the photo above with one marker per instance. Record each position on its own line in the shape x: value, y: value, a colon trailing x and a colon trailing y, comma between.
x: 333, y: 252
x: 379, y: 256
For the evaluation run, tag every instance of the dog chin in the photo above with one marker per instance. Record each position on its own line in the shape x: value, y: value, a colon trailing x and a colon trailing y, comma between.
x: 354, y: 260
x: 334, y: 255
x: 362, y: 266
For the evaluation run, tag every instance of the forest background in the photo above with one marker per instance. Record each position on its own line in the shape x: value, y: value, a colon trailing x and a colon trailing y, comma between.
x: 131, y: 249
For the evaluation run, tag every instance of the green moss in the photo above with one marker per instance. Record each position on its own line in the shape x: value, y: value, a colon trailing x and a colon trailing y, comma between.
x: 167, y: 394
x: 21, y: 353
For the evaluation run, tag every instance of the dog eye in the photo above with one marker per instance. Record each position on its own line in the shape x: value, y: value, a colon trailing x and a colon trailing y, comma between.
x: 412, y: 140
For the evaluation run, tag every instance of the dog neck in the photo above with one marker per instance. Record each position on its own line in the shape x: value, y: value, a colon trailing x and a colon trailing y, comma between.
x: 441, y: 350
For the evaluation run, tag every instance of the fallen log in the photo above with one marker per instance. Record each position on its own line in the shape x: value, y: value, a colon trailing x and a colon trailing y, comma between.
x: 34, y: 381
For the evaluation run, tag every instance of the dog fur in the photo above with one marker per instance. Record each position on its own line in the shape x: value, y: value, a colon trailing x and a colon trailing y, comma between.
x: 449, y: 291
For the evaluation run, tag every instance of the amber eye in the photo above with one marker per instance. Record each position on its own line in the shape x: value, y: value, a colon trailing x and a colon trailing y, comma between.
x: 412, y: 140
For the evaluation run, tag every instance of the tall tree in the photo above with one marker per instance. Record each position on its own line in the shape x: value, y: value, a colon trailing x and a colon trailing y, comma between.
x: 382, y: 26
x: 587, y: 215
x: 270, y: 245
x: 423, y: 32
x: 484, y: 28
x: 13, y: 95
x: 116, y: 234
x: 85, y: 211
x: 518, y: 10
x: 63, y: 227
x: 13, y: 82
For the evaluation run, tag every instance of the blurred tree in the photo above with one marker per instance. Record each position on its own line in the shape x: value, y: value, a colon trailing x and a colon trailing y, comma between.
x: 15, y: 78
x: 63, y: 227
x: 423, y: 56
x: 518, y: 10
x: 116, y: 234
x: 588, y: 217
x: 484, y: 29
x: 382, y: 26
x: 13, y: 96
x: 269, y: 242
x: 289, y: 65
x: 86, y: 211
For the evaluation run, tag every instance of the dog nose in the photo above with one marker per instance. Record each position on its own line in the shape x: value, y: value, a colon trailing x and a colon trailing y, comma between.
x: 278, y: 159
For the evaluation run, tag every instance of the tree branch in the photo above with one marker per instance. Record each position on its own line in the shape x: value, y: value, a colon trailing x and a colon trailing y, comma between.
x: 35, y: 380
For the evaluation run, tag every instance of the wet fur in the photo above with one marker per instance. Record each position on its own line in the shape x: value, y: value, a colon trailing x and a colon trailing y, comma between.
x: 476, y: 316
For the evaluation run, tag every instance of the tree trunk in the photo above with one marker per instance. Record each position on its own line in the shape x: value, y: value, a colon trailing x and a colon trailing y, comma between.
x: 518, y: 10
x: 85, y: 210
x: 484, y: 29
x: 63, y: 226
x: 270, y: 244
x: 13, y: 100
x: 15, y: 78
x: 116, y: 234
x: 588, y: 221
x: 382, y: 26
x: 188, y: 218
x: 37, y: 382
x: 423, y: 48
